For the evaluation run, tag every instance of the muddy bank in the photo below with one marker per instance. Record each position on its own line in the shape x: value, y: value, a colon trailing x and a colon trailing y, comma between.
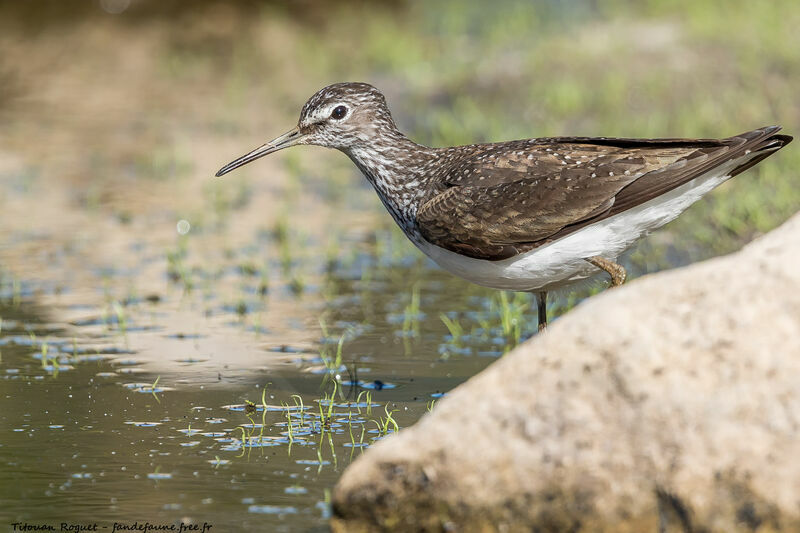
x: 671, y: 403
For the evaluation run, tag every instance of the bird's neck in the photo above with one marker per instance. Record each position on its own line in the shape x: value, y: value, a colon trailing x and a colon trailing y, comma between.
x: 400, y: 171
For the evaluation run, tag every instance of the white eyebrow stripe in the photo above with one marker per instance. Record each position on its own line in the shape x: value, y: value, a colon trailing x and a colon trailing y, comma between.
x: 321, y: 114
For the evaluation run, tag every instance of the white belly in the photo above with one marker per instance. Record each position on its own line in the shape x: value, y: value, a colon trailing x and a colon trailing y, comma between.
x: 564, y: 261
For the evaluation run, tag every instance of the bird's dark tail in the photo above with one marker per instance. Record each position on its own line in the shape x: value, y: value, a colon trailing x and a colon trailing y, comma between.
x: 768, y: 145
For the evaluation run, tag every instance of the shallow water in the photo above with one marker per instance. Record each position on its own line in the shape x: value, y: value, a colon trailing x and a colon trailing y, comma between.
x: 135, y: 408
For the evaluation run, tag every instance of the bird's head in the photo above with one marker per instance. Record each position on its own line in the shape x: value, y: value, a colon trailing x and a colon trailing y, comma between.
x: 342, y: 116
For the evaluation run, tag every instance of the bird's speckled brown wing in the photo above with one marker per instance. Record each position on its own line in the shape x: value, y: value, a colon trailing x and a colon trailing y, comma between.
x: 498, y: 200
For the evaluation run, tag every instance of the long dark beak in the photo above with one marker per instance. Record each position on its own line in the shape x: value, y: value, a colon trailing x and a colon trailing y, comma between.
x: 290, y: 138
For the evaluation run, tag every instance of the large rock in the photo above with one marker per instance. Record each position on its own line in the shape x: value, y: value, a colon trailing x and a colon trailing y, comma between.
x: 670, y: 404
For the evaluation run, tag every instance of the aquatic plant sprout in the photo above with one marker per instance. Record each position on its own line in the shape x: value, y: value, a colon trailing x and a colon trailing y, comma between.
x: 455, y: 329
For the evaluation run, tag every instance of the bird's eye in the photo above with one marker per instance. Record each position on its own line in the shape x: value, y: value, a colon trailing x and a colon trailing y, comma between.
x: 339, y: 112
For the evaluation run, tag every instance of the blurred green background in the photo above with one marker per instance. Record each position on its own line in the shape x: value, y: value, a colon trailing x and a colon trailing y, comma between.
x: 107, y: 96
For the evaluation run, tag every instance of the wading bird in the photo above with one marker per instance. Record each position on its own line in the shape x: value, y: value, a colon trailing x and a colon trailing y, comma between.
x: 529, y: 215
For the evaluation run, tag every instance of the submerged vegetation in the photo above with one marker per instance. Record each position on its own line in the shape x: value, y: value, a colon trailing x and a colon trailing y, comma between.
x: 335, y: 422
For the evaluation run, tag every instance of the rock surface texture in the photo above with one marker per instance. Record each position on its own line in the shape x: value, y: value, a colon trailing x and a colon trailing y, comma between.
x: 670, y: 404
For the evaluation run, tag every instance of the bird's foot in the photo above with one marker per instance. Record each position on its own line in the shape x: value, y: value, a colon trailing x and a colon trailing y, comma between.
x: 617, y: 272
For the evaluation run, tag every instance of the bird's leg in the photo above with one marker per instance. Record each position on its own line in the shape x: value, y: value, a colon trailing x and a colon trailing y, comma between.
x: 616, y: 271
x: 541, y: 306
